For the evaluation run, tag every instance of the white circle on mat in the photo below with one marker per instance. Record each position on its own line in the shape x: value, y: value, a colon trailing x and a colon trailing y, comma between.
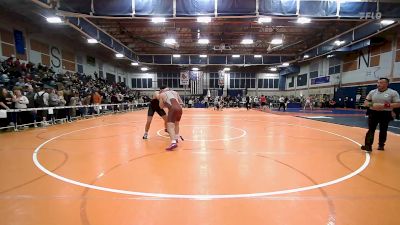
x: 196, y: 196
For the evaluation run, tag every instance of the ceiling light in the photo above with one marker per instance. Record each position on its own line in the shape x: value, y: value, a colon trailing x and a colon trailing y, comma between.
x: 92, y: 41
x: 134, y: 63
x: 276, y: 41
x: 176, y: 56
x: 247, y: 41
x: 203, y: 41
x: 54, y: 19
x: 204, y: 19
x: 303, y: 20
x: 144, y: 69
x: 285, y: 64
x: 330, y: 56
x: 387, y: 22
x: 195, y: 69
x: 227, y: 69
x: 235, y: 56
x: 119, y: 55
x: 257, y: 56
x: 338, y: 43
x: 306, y: 56
x: 264, y: 20
x: 158, y: 20
x: 273, y: 69
x: 170, y: 41
x: 203, y: 56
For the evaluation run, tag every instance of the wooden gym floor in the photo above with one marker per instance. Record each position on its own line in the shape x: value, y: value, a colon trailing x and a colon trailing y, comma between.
x: 235, y: 167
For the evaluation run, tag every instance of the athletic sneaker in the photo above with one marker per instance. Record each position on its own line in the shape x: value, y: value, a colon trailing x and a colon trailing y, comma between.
x: 366, y: 148
x: 381, y: 148
x: 145, y: 136
x: 172, y: 146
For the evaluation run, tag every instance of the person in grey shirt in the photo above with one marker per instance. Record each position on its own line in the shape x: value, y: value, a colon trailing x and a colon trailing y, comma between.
x: 381, y: 102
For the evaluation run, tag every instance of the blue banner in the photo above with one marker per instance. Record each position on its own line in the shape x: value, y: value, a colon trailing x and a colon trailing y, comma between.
x: 153, y: 8
x: 278, y: 7
x: 19, y: 42
x: 311, y: 8
x: 76, y: 6
x: 236, y: 7
x: 320, y: 80
x: 194, y: 7
x: 114, y: 7
x: 318, y: 8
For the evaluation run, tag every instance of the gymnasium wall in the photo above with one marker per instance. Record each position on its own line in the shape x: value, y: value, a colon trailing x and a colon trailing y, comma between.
x: 356, y: 69
x: 62, y: 53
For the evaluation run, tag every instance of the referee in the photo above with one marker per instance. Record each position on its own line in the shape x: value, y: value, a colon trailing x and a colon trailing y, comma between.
x: 381, y: 102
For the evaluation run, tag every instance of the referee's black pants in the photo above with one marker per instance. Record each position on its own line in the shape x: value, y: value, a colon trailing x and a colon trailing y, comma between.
x: 374, y: 118
x: 282, y: 105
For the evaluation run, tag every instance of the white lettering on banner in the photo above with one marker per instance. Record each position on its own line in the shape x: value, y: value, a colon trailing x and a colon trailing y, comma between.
x: 51, y: 112
x: 370, y: 15
x: 55, y: 61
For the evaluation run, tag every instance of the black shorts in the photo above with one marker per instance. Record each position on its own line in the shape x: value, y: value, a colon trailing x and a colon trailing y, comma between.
x: 153, y: 109
x: 263, y: 103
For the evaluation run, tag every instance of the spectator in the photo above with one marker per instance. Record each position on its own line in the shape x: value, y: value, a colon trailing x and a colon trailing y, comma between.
x: 5, y: 104
x: 21, y: 102
x: 74, y: 101
x: 282, y: 103
x: 190, y: 103
x: 41, y: 101
x: 30, y: 94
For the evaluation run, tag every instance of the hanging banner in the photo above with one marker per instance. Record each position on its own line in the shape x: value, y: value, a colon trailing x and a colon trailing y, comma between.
x: 184, y: 78
x: 19, y: 42
x: 221, y: 79
x: 320, y: 80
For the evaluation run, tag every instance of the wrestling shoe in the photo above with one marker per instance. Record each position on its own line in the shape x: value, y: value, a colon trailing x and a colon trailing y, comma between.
x: 171, y: 146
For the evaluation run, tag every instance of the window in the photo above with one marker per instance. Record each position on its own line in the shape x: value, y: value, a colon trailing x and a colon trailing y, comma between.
x: 133, y: 83
x: 302, y: 80
x: 334, y: 66
x: 142, y: 83
x: 260, y: 83
x: 170, y: 79
x: 265, y: 83
x: 276, y: 83
x: 334, y: 69
x: 268, y: 83
x: 242, y: 80
x: 314, y: 67
x: 291, y: 83
x: 253, y: 83
x: 314, y: 74
x: 214, y: 80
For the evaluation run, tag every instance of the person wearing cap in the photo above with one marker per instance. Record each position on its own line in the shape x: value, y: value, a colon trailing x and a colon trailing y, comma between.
x: 381, y: 102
